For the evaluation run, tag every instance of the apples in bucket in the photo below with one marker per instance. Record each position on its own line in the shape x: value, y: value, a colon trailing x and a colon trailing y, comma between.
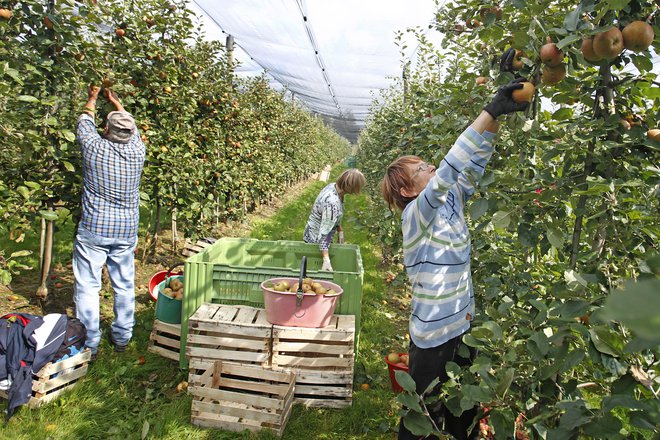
x: 308, y: 286
x: 174, y: 289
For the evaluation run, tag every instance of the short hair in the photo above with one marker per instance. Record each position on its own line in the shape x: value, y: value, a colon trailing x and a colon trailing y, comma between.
x: 397, y: 177
x: 121, y: 127
x: 351, y: 181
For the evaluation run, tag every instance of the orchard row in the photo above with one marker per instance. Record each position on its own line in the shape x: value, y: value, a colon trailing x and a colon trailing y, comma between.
x: 216, y: 145
x: 566, y: 211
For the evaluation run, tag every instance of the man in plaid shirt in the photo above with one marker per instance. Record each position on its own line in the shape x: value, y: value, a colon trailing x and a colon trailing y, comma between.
x: 107, y: 232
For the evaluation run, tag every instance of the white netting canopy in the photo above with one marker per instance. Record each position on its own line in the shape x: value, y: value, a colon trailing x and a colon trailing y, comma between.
x: 333, y: 55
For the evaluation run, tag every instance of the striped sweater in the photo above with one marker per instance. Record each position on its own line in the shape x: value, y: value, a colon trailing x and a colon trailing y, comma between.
x: 436, y: 244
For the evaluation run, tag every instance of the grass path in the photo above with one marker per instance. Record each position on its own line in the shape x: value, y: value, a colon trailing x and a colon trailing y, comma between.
x: 133, y: 395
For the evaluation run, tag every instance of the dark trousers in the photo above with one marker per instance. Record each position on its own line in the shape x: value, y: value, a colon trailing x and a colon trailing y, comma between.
x: 425, y: 365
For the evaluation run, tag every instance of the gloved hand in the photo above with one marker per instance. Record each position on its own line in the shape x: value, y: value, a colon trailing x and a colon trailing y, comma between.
x: 503, y: 103
x: 326, y: 264
x: 340, y: 237
x: 506, y: 60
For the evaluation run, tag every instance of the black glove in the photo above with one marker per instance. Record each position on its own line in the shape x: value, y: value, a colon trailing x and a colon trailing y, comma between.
x: 503, y: 103
x: 506, y: 60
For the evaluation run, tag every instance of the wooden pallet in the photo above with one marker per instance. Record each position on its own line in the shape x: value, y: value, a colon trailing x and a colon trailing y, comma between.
x: 236, y: 397
x: 55, y: 378
x: 239, y: 334
x: 165, y: 340
x: 322, y: 358
x: 191, y: 248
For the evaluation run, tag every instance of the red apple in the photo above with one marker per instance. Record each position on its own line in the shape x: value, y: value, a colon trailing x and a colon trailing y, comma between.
x: 587, y: 49
x: 638, y: 36
x: 551, y: 55
x: 609, y: 44
x: 553, y: 75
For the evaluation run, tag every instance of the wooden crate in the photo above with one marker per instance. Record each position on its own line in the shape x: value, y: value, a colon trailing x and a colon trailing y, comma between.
x: 165, y: 340
x: 322, y: 358
x: 239, y: 334
x: 55, y: 378
x: 236, y: 397
x: 191, y: 248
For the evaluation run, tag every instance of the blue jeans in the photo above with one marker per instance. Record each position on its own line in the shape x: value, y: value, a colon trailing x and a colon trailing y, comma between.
x: 90, y: 253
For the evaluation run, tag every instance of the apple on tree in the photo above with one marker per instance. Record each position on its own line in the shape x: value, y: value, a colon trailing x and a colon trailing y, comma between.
x: 609, y: 44
x: 550, y: 54
x: 637, y: 36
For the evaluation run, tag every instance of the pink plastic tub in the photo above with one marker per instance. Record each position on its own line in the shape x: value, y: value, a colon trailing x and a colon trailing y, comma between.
x: 313, y: 311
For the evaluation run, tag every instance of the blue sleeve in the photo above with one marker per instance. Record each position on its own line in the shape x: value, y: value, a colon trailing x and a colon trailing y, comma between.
x: 450, y: 169
x: 474, y: 170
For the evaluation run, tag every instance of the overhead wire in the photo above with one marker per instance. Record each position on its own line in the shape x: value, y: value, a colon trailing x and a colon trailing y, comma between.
x: 319, y: 60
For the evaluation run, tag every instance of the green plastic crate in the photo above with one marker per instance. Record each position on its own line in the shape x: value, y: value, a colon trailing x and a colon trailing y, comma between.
x: 231, y: 270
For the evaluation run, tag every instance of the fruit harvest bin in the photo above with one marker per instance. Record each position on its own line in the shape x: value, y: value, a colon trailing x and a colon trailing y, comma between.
x: 231, y: 270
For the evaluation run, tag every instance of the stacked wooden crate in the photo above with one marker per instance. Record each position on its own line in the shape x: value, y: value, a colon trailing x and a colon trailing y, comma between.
x: 238, y: 334
x: 55, y: 378
x: 236, y: 397
x: 165, y: 340
x: 322, y: 359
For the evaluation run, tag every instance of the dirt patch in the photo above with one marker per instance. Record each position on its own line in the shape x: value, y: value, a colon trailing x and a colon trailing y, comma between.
x: 20, y: 295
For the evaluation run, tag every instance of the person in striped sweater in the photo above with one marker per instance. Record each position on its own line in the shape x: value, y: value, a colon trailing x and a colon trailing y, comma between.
x: 436, y: 248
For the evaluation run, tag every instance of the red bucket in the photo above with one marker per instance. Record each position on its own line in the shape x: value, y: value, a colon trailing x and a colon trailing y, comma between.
x: 158, y: 277
x: 392, y: 367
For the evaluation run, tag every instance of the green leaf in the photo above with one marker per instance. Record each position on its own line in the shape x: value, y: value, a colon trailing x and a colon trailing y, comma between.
x: 417, y: 423
x: 567, y: 41
x: 404, y: 379
x: 636, y: 306
x: 23, y: 253
x: 563, y: 114
x: 617, y: 5
x: 540, y: 341
x: 27, y: 98
x: 571, y: 19
x: 68, y: 135
x: 501, y: 219
x: 574, y: 279
x: 643, y: 63
x: 506, y: 378
x: 604, y: 341
x: 48, y: 215
x: 495, y: 330
x: 478, y: 208
x: 145, y: 430
x: 555, y: 237
x: 68, y: 166
x: 410, y: 401
x: 23, y: 191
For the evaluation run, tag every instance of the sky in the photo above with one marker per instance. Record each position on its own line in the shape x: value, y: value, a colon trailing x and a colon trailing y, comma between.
x: 333, y: 55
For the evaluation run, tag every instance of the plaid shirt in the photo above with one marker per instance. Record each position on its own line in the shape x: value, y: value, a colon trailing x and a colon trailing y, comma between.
x: 111, y: 181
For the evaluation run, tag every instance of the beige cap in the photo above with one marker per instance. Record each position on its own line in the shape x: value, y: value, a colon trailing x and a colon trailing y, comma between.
x: 121, y: 127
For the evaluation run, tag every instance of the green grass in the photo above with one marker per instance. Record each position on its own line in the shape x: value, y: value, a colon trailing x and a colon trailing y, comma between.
x: 120, y: 398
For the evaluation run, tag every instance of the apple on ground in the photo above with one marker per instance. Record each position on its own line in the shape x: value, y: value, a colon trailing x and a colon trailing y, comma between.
x: 6, y: 14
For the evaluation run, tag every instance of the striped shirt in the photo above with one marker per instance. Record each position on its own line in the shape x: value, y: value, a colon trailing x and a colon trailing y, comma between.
x: 111, y: 181
x: 325, y: 217
x: 436, y: 244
